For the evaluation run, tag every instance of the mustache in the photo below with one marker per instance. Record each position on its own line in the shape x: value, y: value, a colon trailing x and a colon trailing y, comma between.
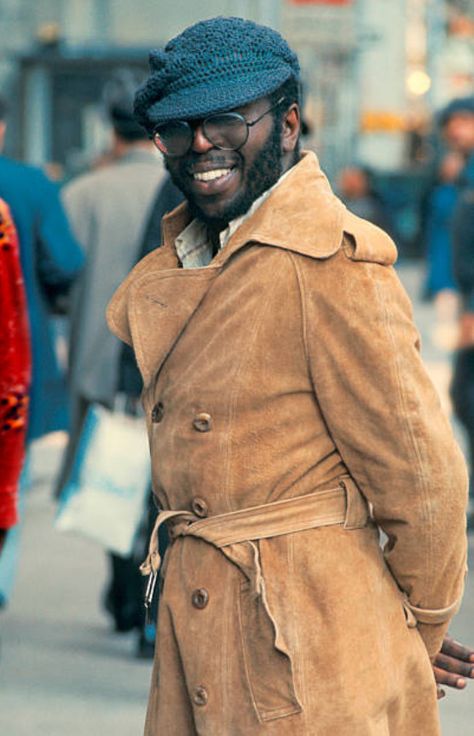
x: 216, y: 158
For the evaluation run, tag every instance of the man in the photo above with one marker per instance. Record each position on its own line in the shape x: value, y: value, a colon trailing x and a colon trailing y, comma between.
x: 457, y: 122
x: 50, y: 261
x: 289, y: 417
x: 109, y: 208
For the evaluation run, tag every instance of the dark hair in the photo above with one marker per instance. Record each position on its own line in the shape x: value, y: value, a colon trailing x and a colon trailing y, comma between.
x: 124, y: 123
x: 117, y: 95
x: 291, y: 91
x: 3, y: 108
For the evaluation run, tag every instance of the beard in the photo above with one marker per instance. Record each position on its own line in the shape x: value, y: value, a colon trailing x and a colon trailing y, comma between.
x: 262, y: 174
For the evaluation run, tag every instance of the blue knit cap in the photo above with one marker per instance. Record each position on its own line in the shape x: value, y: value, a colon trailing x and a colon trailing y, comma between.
x: 456, y: 106
x: 214, y: 66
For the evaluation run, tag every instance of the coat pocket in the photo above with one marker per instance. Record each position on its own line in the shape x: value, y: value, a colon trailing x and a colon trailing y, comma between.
x: 267, y: 664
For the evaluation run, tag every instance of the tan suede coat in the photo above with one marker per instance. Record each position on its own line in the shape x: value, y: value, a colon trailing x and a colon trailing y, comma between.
x: 288, y: 363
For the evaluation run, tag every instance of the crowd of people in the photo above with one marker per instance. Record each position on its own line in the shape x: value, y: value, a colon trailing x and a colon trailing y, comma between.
x: 275, y: 390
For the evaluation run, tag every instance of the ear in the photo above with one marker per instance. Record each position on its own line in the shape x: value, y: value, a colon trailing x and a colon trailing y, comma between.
x: 291, y: 128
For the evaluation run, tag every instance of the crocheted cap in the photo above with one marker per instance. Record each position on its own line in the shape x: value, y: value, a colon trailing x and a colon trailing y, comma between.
x: 214, y: 66
x: 456, y: 106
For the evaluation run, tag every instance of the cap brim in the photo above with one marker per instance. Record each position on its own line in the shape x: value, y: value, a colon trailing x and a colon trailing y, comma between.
x: 218, y: 96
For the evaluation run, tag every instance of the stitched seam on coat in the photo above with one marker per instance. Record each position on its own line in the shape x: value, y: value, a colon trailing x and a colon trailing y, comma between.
x: 304, y: 330
x: 427, y: 577
x: 244, y: 654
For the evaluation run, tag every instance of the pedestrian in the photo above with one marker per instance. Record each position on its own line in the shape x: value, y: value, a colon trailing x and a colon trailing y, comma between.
x: 356, y: 190
x: 457, y: 124
x: 290, y: 419
x: 50, y: 261
x: 15, y: 368
x: 441, y: 202
x: 440, y: 284
x: 109, y: 209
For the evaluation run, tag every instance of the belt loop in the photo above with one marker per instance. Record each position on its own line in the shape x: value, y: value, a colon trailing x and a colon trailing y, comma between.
x: 357, y: 510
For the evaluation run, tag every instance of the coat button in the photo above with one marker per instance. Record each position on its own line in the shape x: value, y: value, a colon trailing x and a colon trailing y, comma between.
x: 200, y: 696
x: 202, y: 422
x: 200, y: 598
x: 199, y: 507
x: 157, y: 412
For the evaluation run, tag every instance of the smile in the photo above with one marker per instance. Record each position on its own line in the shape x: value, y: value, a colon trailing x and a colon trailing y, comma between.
x: 211, y: 175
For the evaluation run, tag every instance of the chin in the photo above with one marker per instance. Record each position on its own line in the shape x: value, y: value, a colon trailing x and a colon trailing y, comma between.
x: 218, y: 215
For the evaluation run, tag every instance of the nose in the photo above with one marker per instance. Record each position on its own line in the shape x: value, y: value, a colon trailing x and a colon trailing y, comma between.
x: 200, y: 142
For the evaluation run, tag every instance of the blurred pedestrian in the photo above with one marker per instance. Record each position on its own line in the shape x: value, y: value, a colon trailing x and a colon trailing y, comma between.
x: 15, y: 369
x: 440, y: 284
x: 457, y: 122
x: 283, y: 392
x: 109, y: 209
x: 356, y: 190
x: 50, y: 260
x: 440, y: 207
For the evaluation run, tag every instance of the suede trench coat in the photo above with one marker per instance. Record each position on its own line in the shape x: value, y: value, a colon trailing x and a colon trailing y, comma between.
x: 287, y: 367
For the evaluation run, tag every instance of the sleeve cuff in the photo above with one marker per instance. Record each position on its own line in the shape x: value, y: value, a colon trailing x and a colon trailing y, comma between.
x: 430, y: 615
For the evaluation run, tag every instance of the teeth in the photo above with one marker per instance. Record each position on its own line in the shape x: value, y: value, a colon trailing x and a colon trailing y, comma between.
x: 211, y: 175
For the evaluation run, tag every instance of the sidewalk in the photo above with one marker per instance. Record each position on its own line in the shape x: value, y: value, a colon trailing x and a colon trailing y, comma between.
x: 64, y: 673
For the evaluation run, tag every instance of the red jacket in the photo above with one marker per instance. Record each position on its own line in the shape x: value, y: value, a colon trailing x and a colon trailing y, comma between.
x: 15, y: 366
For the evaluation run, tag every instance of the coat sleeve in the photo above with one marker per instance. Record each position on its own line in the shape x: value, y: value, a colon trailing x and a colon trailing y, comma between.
x: 385, y: 418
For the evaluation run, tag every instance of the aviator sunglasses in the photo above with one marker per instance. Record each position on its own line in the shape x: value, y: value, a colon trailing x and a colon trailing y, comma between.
x: 227, y: 131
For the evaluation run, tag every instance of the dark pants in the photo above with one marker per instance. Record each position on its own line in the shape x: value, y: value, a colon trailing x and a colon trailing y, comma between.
x: 126, y: 589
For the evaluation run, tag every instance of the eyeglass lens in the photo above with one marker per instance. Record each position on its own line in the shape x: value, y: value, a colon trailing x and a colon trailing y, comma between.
x: 226, y: 131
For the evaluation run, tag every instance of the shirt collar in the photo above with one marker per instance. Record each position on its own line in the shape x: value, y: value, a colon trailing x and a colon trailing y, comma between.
x: 193, y: 245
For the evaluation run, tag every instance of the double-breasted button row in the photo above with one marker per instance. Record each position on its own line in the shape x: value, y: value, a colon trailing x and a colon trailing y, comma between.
x: 200, y: 598
x: 202, y: 422
x: 158, y: 412
x: 200, y: 696
x: 199, y: 507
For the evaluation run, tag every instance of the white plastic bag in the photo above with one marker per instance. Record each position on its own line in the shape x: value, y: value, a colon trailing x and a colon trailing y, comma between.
x: 111, y: 476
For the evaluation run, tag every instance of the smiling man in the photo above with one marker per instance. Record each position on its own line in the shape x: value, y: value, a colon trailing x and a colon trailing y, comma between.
x: 290, y: 418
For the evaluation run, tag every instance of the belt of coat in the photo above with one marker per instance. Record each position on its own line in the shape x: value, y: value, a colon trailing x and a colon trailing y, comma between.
x: 343, y: 504
x: 235, y: 534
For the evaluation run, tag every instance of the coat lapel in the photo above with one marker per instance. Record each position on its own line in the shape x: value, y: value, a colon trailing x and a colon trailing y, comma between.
x: 153, y: 305
x: 159, y: 308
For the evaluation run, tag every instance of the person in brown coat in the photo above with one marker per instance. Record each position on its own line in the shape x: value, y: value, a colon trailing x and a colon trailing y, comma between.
x: 290, y: 420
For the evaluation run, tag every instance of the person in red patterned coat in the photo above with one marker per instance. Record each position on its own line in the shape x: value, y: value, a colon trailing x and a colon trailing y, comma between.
x: 15, y: 369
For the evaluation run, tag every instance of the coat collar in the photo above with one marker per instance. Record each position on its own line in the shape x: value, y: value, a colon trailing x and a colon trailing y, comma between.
x: 154, y: 304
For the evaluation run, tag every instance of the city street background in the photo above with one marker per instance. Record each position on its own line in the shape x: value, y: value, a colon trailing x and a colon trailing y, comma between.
x: 375, y: 75
x: 62, y: 669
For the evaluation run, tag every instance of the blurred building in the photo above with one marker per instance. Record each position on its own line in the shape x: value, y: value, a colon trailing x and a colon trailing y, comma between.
x: 373, y: 70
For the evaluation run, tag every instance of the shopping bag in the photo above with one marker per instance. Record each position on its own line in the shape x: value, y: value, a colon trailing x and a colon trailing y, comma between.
x: 110, y: 479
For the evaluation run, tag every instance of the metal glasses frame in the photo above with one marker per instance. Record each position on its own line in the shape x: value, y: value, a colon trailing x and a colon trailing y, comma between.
x: 191, y: 130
